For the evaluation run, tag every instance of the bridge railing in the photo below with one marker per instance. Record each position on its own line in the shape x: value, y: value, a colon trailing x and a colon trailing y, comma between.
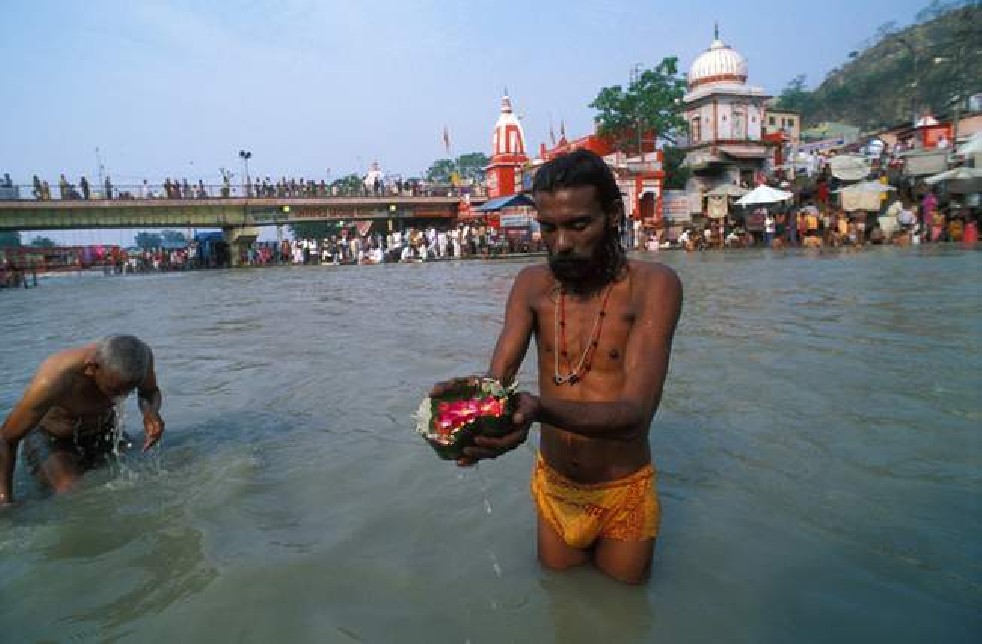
x: 189, y: 191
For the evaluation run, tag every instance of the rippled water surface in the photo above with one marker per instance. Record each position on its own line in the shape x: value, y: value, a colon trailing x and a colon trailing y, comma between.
x: 818, y: 445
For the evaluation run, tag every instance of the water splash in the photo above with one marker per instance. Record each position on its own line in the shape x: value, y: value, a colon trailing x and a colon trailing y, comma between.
x: 494, y: 564
x: 482, y: 482
x: 117, y: 432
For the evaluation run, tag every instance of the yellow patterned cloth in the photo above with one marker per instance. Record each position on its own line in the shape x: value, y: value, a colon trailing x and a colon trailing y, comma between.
x: 626, y: 509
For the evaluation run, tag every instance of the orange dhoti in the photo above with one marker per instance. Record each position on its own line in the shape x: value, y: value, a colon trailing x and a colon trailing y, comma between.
x: 626, y: 509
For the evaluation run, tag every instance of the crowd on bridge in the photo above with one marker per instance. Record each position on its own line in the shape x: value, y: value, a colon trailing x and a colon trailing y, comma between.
x: 260, y: 187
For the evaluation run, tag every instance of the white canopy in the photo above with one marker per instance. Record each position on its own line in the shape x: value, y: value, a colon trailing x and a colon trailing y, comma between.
x: 727, y: 190
x: 972, y: 146
x: 955, y: 174
x: 849, y: 167
x: 764, y: 194
x: 866, y: 186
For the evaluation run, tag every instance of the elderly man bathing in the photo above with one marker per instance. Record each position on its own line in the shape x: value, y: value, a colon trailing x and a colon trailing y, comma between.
x: 66, y: 416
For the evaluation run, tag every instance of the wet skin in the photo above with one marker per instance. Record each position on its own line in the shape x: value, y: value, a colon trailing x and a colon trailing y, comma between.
x: 595, y: 430
x: 70, y: 391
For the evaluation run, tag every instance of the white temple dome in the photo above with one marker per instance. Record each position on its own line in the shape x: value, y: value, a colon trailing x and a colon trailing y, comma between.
x: 509, y: 138
x: 719, y: 63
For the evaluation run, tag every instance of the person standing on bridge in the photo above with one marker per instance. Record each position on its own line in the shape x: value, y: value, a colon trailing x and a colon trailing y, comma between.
x: 67, y: 418
x: 603, y: 328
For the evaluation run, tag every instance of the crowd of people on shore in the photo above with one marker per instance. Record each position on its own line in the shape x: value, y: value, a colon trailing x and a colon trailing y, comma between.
x: 822, y: 217
x: 349, y: 247
x: 811, y: 226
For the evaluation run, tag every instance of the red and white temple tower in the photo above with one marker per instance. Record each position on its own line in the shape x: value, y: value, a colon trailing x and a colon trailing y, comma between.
x: 508, y: 153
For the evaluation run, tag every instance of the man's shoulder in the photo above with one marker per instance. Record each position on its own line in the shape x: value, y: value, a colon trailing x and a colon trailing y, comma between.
x: 535, y: 275
x: 58, y: 371
x: 654, y: 275
x: 64, y: 361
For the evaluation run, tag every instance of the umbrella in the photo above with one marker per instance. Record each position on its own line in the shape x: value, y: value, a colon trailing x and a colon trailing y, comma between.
x: 764, y: 194
x: 727, y: 190
x: 955, y: 174
x: 867, y: 186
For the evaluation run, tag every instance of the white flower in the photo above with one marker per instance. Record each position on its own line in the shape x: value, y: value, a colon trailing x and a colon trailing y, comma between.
x: 493, y: 387
x: 423, y: 416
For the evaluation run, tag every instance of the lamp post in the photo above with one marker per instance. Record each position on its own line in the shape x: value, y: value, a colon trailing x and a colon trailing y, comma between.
x: 635, y: 77
x: 245, y: 155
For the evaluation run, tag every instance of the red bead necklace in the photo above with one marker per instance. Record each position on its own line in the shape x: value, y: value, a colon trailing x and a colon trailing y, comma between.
x: 586, y: 360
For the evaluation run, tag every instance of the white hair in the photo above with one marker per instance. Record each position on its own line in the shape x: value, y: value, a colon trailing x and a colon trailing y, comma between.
x: 124, y: 355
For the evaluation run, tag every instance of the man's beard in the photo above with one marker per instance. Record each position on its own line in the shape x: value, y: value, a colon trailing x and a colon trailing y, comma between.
x: 580, y: 273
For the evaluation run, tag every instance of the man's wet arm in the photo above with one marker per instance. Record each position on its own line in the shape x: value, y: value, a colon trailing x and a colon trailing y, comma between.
x: 615, y: 420
x: 516, y: 333
x: 30, y: 409
x: 649, y: 346
x: 149, y: 400
x: 149, y: 397
x: 25, y: 416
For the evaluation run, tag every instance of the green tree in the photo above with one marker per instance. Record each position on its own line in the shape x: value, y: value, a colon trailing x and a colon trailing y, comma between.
x: 349, y: 184
x: 468, y: 166
x: 146, y: 241
x: 440, y: 171
x: 173, y: 236
x: 937, y: 8
x: 795, y: 97
x: 471, y: 165
x: 9, y: 239
x: 675, y: 173
x: 652, y: 102
x: 43, y: 242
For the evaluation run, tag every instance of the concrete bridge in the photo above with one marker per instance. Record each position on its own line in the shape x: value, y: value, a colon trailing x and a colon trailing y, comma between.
x: 233, y: 212
x: 239, y: 218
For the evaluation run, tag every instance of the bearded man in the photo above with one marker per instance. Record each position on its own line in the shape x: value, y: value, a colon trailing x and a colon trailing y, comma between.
x: 603, y: 327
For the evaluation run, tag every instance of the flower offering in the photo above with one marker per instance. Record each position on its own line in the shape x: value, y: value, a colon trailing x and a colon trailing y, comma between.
x: 472, y: 407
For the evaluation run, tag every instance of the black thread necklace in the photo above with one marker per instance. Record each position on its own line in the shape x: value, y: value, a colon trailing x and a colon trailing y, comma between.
x: 586, y: 360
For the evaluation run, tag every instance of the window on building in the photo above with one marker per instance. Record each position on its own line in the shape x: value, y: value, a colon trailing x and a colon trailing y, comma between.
x: 790, y: 122
x: 739, y: 124
x: 696, y: 130
x: 771, y: 120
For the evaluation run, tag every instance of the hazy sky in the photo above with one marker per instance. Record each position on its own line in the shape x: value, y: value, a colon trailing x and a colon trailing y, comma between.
x: 177, y: 88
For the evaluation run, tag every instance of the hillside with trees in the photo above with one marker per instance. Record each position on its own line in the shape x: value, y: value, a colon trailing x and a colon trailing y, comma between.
x: 900, y: 72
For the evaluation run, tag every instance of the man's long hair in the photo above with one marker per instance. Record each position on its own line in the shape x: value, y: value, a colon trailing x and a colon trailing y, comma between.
x: 585, y: 168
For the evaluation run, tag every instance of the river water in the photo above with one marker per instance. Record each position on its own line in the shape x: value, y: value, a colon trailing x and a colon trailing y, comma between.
x: 818, y: 446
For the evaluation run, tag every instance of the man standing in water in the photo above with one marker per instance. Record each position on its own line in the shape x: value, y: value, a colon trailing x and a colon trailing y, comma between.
x: 603, y: 327
x: 67, y: 414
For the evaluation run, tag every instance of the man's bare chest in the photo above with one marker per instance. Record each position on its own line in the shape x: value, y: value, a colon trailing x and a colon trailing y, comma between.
x: 82, y: 407
x: 584, y: 337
